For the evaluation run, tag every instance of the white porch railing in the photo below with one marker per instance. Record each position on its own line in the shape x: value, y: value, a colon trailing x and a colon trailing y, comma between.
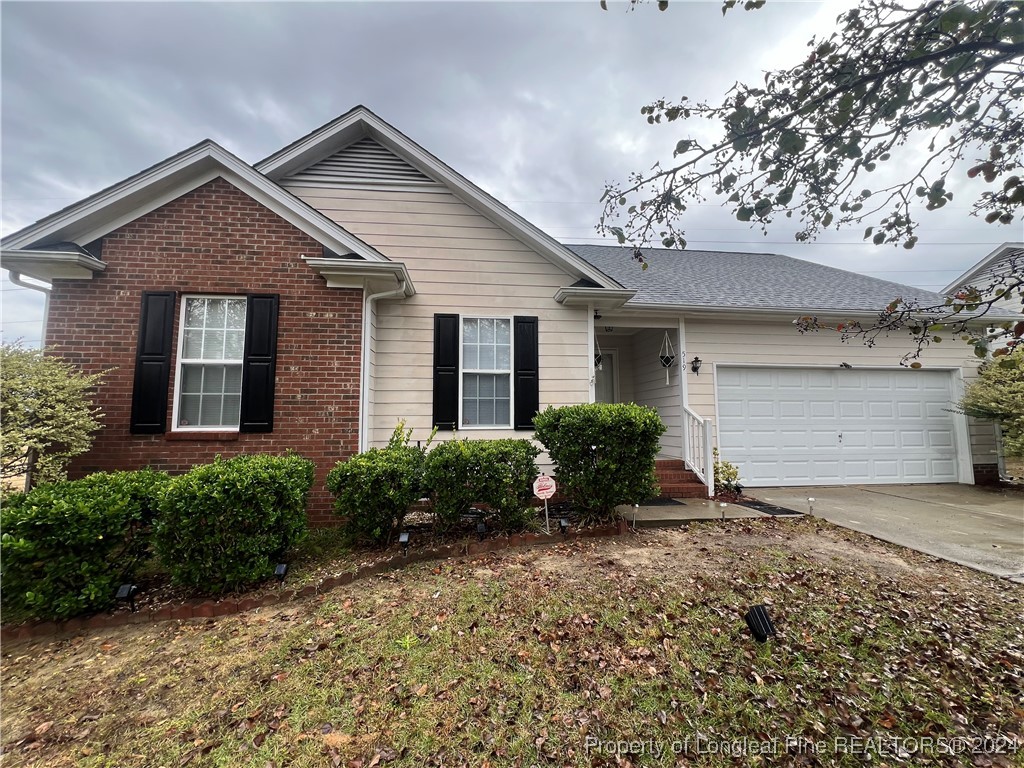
x: 699, y: 452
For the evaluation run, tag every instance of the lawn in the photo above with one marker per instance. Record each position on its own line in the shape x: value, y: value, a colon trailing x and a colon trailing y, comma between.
x: 553, y: 656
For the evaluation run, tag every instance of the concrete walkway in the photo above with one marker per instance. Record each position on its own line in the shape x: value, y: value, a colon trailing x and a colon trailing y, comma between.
x: 683, y: 511
x: 978, y: 527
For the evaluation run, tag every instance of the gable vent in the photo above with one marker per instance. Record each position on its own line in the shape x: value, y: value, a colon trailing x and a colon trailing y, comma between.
x: 365, y: 162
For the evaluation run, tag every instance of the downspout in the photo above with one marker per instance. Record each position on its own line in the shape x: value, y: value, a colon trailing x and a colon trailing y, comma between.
x: 364, y: 369
x: 45, y: 290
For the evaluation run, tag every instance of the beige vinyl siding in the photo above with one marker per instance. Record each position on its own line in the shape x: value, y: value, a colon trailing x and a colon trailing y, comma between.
x: 759, y: 342
x: 460, y: 263
x: 650, y: 389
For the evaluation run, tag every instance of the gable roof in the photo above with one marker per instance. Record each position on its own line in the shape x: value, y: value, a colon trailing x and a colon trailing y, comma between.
x: 723, y: 280
x: 360, y: 123
x: 147, y: 190
x: 990, y: 266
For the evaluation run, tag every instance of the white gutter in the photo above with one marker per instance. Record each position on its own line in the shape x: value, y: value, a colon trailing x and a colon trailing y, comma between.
x: 364, y: 369
x: 45, y: 290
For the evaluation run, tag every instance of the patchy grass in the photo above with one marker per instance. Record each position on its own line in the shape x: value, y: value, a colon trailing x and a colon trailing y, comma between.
x: 520, y: 658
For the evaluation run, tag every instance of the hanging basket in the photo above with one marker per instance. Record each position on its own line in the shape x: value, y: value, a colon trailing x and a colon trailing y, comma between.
x: 667, y: 355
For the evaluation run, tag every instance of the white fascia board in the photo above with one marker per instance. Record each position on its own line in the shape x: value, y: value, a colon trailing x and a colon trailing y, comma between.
x: 361, y: 122
x: 51, y: 265
x: 599, y: 298
x: 141, y: 194
x: 351, y: 273
x: 983, y: 266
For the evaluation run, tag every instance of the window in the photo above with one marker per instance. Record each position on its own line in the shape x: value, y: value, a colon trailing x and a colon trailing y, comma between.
x: 486, y: 372
x: 211, y: 345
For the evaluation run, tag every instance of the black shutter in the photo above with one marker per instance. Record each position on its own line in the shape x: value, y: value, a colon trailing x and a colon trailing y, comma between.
x: 446, y: 371
x: 153, y: 363
x: 259, y: 364
x: 526, y: 371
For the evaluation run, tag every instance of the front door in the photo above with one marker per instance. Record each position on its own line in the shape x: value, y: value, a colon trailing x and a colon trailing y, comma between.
x: 606, y: 379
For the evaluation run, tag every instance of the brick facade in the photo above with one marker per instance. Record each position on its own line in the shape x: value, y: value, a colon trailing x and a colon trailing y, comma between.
x: 217, y: 240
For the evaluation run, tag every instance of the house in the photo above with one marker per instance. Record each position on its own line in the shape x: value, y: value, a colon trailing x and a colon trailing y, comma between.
x: 352, y: 280
x: 1001, y: 269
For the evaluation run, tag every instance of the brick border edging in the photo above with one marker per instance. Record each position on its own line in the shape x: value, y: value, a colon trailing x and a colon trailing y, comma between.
x: 211, y: 609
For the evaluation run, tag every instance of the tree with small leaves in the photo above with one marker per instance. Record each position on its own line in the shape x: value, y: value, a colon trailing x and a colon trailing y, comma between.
x: 913, y: 95
x: 46, y: 411
x: 998, y: 395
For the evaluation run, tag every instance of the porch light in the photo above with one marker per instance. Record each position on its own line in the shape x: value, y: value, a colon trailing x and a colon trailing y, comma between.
x: 695, y: 365
x: 126, y: 593
x: 667, y: 355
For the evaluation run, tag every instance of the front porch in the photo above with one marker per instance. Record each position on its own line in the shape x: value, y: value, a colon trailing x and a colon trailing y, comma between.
x: 629, y: 367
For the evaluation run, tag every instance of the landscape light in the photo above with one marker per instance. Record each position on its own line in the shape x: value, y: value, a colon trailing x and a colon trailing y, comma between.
x: 126, y: 592
x: 564, y: 525
x: 481, y: 529
x: 403, y: 539
x: 759, y: 622
x: 280, y: 571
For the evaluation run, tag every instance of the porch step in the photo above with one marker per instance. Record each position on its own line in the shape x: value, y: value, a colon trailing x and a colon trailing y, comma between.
x: 677, y: 476
x: 683, y: 491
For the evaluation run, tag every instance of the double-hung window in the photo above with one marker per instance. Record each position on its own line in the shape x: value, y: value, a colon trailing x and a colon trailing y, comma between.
x: 486, y: 372
x: 208, y: 381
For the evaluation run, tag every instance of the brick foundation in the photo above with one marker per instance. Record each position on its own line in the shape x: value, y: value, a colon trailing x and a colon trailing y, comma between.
x: 217, y: 240
x: 986, y: 474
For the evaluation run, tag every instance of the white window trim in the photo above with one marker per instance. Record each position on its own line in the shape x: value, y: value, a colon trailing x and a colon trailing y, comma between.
x: 510, y: 372
x: 178, y: 361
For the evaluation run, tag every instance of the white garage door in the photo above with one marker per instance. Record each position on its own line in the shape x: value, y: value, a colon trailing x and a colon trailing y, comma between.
x: 793, y: 426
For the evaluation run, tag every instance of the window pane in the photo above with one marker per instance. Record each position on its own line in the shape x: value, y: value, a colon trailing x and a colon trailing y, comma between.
x: 233, y: 345
x: 504, y: 358
x: 209, y: 411
x: 193, y: 344
x: 469, y: 412
x: 486, y: 358
x: 233, y: 379
x: 191, y: 379
x: 501, y: 386
x: 236, y: 314
x: 470, y: 385
x: 188, y: 412
x: 195, y: 313
x: 470, y: 356
x: 486, y: 412
x: 501, y: 331
x: 470, y: 331
x: 486, y: 331
x: 501, y: 408
x: 213, y: 345
x: 213, y: 379
x: 215, y: 313
x: 232, y: 410
x: 487, y: 386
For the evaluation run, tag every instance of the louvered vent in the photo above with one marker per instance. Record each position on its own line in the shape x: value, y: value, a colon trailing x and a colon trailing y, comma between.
x: 366, y: 161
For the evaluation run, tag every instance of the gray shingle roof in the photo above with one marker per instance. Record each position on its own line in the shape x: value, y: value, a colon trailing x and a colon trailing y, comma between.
x: 747, y: 280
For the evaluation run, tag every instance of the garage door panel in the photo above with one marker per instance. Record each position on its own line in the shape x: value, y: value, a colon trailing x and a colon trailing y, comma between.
x: 895, y: 425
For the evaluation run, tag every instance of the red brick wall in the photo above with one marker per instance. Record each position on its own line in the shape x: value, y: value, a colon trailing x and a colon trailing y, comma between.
x: 216, y: 239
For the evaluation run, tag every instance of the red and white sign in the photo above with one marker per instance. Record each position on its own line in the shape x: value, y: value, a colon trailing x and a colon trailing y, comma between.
x: 544, y: 487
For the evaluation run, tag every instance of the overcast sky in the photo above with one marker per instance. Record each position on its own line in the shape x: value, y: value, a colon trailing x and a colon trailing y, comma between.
x: 538, y: 103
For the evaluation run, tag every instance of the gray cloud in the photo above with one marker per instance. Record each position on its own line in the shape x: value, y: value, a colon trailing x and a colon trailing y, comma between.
x: 536, y: 102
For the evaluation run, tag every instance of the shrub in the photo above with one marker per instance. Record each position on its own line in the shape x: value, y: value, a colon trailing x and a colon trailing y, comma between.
x: 998, y: 395
x: 604, y: 454
x: 373, y: 490
x: 498, y: 473
x: 222, y: 525
x: 727, y: 476
x: 67, y: 546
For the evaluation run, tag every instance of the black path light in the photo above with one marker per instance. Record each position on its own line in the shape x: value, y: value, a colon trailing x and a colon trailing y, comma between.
x: 481, y: 530
x: 564, y: 525
x: 760, y: 623
x: 403, y: 539
x: 126, y: 593
x: 280, y: 571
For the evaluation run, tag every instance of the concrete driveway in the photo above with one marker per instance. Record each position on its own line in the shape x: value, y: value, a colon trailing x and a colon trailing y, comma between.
x: 979, y: 528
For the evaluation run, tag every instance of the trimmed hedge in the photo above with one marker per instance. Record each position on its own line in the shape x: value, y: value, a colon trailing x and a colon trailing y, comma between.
x: 223, y: 525
x: 498, y: 473
x: 66, y: 547
x: 373, y: 490
x: 604, y: 452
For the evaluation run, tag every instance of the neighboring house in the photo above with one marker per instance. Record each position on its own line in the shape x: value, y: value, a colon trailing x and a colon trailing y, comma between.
x: 1005, y: 265
x: 352, y: 280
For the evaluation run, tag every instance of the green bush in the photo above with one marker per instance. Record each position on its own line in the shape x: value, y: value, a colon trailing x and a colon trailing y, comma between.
x: 498, y: 473
x: 373, y: 490
x: 604, y: 454
x: 727, y: 476
x: 66, y: 547
x: 222, y: 525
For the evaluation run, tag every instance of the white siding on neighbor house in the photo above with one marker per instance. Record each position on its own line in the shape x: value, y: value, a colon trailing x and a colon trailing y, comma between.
x: 650, y: 389
x: 460, y: 263
x: 759, y: 342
